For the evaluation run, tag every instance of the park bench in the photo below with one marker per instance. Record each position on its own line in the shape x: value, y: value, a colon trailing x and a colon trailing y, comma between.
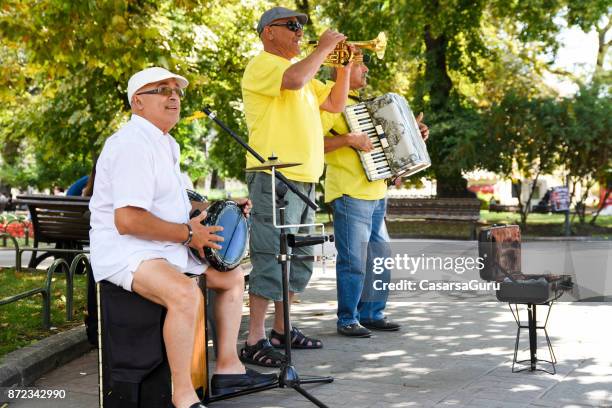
x: 63, y: 224
x: 60, y: 222
x: 463, y: 210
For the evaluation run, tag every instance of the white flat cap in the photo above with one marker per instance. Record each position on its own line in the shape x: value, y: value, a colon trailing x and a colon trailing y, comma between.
x: 149, y: 76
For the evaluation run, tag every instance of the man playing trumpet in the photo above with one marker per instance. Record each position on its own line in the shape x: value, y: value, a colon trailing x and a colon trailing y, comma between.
x: 281, y: 105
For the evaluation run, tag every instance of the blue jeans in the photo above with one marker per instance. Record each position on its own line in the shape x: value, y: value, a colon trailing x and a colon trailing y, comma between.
x: 359, y: 230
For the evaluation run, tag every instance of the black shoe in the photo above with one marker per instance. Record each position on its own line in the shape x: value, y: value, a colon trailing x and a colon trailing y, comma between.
x: 197, y: 405
x: 226, y: 383
x: 382, y: 325
x: 354, y: 330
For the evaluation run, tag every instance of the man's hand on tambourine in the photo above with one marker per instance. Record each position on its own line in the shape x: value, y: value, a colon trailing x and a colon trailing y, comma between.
x: 246, y: 206
x: 204, y: 236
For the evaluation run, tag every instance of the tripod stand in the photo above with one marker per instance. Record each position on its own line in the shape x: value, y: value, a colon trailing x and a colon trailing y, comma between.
x: 288, y: 376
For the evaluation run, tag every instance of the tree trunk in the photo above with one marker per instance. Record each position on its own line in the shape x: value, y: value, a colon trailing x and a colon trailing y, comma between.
x: 436, y: 73
x: 439, y: 85
x: 573, y: 182
x: 580, y: 205
x: 216, y: 182
x: 527, y: 207
x: 603, y: 45
x: 452, y: 186
x: 601, y: 206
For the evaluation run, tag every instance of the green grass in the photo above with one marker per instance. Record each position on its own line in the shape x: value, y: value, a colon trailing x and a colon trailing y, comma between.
x: 552, y: 224
x: 21, y: 321
x: 428, y: 229
x: 216, y: 194
x: 604, y: 221
x: 546, y: 225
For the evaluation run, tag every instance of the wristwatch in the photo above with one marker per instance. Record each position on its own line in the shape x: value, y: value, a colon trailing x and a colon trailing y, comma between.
x: 188, y: 240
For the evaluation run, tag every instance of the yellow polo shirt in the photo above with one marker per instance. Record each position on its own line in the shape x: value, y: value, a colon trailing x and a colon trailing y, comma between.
x: 345, y: 174
x: 284, y: 122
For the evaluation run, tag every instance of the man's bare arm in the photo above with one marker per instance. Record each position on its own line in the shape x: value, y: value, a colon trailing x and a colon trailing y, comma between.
x: 337, y: 98
x: 359, y: 141
x: 143, y: 224
x: 300, y: 73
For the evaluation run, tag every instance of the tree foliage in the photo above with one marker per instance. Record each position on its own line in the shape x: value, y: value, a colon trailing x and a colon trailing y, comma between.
x: 66, y: 66
x: 524, y: 139
x: 457, y: 59
x: 474, y: 67
x: 530, y: 137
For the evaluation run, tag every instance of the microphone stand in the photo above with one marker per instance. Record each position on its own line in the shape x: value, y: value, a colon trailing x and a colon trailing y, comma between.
x: 288, y: 376
x: 212, y: 115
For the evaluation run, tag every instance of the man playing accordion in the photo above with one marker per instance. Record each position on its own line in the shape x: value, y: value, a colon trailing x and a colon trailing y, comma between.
x: 359, y: 207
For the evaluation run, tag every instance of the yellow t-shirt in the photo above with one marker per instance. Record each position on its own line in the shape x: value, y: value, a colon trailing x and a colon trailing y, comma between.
x: 345, y: 174
x: 284, y: 122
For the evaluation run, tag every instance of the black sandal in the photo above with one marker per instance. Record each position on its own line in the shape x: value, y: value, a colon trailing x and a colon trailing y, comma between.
x: 262, y: 354
x: 298, y: 340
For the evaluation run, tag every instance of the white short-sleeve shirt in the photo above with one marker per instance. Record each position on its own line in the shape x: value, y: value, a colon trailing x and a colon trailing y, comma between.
x: 139, y: 167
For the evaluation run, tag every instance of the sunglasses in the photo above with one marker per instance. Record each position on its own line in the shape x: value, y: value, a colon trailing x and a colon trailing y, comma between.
x: 365, y: 59
x: 163, y: 90
x: 291, y: 25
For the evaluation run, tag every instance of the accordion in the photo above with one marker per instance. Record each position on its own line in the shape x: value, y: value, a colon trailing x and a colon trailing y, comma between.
x: 399, y: 149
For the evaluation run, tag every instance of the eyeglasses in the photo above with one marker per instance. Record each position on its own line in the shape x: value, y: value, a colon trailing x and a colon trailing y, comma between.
x: 291, y: 25
x: 164, y: 90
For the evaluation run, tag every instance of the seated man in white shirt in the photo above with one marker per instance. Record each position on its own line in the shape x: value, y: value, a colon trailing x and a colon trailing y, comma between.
x: 141, y: 231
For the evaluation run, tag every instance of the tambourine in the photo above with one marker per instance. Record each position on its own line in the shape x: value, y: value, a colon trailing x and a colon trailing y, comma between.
x: 229, y: 215
x: 195, y: 196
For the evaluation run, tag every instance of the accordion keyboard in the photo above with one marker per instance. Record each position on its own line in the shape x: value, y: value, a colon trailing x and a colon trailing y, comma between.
x: 375, y: 161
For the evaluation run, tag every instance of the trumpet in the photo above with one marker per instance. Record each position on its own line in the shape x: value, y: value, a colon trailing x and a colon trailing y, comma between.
x: 342, y: 54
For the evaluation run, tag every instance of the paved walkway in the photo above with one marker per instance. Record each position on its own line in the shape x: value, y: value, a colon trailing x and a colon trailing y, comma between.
x: 7, y: 258
x: 448, y: 354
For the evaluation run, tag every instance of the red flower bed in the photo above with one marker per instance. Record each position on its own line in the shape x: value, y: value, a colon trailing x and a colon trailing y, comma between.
x: 17, y: 229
